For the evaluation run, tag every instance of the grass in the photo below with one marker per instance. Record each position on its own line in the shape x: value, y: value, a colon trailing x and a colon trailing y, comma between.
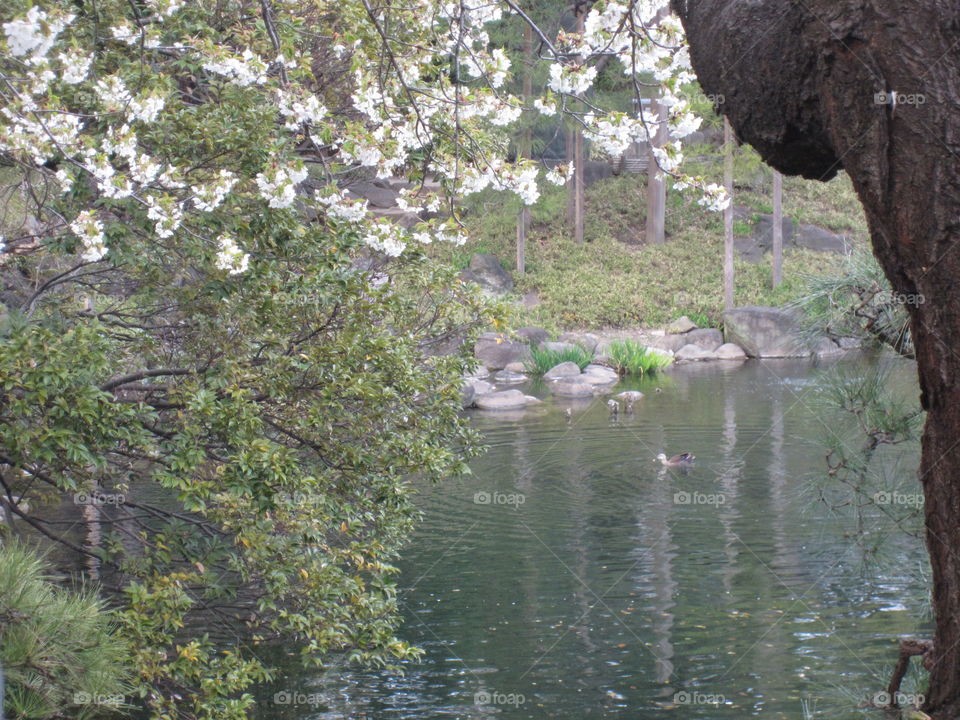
x: 543, y: 359
x: 615, y: 280
x: 629, y: 357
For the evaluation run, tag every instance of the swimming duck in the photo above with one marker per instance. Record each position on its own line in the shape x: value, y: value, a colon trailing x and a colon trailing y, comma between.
x: 677, y: 460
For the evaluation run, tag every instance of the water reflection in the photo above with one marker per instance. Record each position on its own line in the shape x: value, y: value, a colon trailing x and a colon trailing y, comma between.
x: 617, y: 588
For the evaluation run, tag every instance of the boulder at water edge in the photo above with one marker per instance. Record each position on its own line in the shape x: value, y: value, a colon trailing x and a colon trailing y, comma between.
x: 765, y: 332
x: 563, y: 370
x: 572, y: 388
x: 505, y: 400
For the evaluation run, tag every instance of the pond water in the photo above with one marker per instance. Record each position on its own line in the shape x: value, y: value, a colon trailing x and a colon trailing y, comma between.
x: 572, y: 577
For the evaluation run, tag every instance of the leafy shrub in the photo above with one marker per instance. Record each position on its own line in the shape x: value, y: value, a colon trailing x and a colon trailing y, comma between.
x: 629, y: 357
x: 542, y: 359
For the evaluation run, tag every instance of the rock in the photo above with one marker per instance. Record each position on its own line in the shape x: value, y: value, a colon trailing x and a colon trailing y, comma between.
x: 600, y: 377
x: 729, y: 351
x: 487, y: 272
x: 496, y: 352
x: 481, y: 372
x: 378, y: 195
x: 827, y: 348
x: 593, y: 367
x: 690, y: 353
x: 669, y: 343
x: 821, y: 240
x: 681, y: 325
x: 533, y: 335
x: 480, y: 387
x: 558, y: 347
x: 531, y: 299
x: 765, y: 332
x: 588, y: 341
x: 850, y: 343
x: 468, y: 394
x: 504, y: 400
x: 572, y: 388
x: 531, y: 400
x: 630, y: 396
x: 516, y: 367
x: 706, y: 338
x: 563, y: 370
x: 506, y: 377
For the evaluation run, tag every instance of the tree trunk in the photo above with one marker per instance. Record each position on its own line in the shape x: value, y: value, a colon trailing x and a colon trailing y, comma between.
x: 871, y: 87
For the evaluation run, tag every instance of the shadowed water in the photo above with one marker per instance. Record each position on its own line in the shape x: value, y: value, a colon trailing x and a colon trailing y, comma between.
x: 572, y: 577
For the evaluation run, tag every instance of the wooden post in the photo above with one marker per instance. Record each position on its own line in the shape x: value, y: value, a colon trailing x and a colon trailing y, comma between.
x: 525, y: 148
x: 578, y: 187
x: 578, y: 161
x: 728, y: 216
x: 523, y: 222
x: 777, y: 229
x: 656, y: 183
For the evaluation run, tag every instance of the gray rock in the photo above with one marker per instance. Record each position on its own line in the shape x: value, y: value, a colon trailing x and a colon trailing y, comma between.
x: 506, y: 377
x: 563, y: 370
x: 593, y: 367
x: 588, y: 341
x: 729, y: 351
x: 505, y: 400
x: 600, y: 378
x: 850, y: 343
x: 487, y: 272
x: 572, y: 388
x: 495, y: 352
x: 630, y: 396
x: 516, y: 367
x: 681, y: 325
x: 821, y: 240
x: 827, y: 348
x: 765, y: 332
x: 480, y: 387
x: 691, y: 353
x: 531, y: 400
x: 378, y: 195
x: 533, y: 335
x: 706, y: 338
x: 558, y: 347
x: 671, y: 343
x: 468, y: 394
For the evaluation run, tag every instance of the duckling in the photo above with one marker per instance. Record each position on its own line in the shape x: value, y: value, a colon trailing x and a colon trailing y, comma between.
x: 681, y: 460
x: 614, y: 407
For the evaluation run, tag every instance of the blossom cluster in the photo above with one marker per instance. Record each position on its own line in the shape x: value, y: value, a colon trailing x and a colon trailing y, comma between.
x: 90, y: 122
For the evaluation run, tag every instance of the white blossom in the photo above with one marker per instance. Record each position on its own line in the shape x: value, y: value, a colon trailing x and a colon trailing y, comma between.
x: 76, y: 65
x: 209, y: 197
x: 90, y: 231
x: 545, y: 108
x: 35, y: 34
x: 231, y: 257
x: 278, y: 185
x: 561, y: 174
x: 571, y: 79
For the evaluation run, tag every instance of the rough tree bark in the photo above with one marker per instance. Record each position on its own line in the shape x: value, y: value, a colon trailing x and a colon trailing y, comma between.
x: 870, y: 87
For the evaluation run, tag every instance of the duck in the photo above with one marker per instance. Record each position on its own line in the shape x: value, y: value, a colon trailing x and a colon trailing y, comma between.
x: 681, y: 460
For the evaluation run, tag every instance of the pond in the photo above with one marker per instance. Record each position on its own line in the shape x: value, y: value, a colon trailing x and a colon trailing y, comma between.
x: 572, y: 577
